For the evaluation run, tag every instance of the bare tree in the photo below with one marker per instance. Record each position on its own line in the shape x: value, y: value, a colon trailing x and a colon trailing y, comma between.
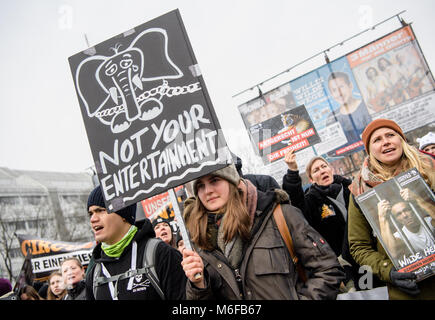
x: 7, y: 237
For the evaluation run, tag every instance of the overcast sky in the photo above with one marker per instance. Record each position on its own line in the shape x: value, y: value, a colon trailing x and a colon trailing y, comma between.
x: 237, y: 44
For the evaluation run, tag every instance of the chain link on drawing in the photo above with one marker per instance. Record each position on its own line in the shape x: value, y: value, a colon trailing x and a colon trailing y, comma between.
x: 165, y: 90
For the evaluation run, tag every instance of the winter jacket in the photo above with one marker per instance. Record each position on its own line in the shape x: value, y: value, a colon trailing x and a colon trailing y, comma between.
x: 262, y: 182
x: 76, y: 293
x: 266, y: 270
x: 322, y: 213
x: 368, y: 251
x: 167, y: 264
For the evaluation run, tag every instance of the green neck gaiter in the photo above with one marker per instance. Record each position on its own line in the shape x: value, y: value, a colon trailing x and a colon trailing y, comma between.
x: 115, y: 250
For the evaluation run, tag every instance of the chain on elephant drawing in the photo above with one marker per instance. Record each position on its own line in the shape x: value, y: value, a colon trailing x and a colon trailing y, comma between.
x: 130, y: 84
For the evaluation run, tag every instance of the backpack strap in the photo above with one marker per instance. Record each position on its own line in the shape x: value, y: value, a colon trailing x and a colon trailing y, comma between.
x: 286, y: 236
x: 148, y: 268
x: 96, y: 275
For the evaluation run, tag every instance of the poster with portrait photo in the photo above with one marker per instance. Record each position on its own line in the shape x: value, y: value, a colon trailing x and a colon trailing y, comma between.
x: 401, y: 211
x: 348, y: 107
x: 333, y: 100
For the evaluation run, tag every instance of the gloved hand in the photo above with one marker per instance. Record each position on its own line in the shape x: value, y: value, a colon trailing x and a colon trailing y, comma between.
x: 405, y: 281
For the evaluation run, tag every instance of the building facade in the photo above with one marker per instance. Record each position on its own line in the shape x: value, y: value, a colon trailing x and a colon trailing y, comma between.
x: 49, y: 205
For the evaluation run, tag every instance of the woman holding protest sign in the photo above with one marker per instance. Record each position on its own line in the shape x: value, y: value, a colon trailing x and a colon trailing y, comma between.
x: 239, y: 250
x: 388, y: 155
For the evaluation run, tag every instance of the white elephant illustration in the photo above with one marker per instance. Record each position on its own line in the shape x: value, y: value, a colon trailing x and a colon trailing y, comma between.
x: 110, y: 87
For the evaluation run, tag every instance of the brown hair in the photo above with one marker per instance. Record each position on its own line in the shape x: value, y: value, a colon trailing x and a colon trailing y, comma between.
x: 50, y: 294
x: 30, y: 292
x: 236, y: 221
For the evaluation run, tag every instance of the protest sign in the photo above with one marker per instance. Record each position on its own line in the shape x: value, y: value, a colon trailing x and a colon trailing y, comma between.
x: 156, y: 205
x: 148, y: 116
x: 281, y: 131
x: 401, y: 212
x: 47, y: 255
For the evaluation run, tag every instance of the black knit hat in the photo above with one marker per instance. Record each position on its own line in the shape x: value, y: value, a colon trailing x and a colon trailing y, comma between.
x: 96, y: 199
x: 160, y: 220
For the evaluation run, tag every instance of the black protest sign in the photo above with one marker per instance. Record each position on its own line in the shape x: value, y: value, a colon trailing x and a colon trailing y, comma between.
x: 149, y: 119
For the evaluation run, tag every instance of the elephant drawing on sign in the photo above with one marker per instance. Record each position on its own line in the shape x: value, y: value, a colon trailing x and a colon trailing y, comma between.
x: 130, y: 84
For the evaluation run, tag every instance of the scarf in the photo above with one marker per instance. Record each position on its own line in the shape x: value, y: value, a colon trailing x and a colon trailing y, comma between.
x: 331, y: 190
x: 232, y: 249
x: 367, y: 179
x: 115, y: 250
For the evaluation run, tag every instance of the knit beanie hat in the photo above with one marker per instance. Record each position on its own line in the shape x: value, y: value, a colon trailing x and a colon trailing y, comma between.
x: 376, y: 124
x: 426, y: 140
x: 5, y: 286
x: 96, y: 199
x: 160, y: 220
x: 310, y: 164
x: 228, y: 173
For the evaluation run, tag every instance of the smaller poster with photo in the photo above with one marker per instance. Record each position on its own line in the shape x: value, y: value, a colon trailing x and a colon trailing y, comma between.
x: 290, y: 130
x: 401, y: 212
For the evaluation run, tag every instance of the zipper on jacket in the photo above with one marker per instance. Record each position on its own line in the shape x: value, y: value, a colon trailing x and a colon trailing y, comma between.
x: 239, y: 281
x: 238, y: 276
x: 236, y: 272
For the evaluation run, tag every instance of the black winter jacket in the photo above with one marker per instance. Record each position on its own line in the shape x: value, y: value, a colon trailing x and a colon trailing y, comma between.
x: 320, y: 211
x: 167, y: 263
x: 76, y: 293
x: 262, y: 182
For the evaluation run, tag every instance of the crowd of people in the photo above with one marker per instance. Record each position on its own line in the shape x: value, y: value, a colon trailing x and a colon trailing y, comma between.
x: 240, y: 249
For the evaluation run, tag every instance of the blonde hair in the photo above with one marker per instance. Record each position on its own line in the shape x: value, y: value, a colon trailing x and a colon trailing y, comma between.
x: 411, y: 158
x: 236, y: 221
x: 72, y: 259
x: 310, y: 164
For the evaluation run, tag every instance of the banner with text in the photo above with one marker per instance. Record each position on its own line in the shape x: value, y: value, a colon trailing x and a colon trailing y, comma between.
x: 47, y: 255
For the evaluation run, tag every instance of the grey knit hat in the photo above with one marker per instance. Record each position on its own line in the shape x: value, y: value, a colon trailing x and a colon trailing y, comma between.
x: 228, y: 173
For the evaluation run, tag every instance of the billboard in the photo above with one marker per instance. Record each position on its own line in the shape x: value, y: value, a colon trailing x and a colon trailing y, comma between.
x: 148, y: 116
x: 387, y: 78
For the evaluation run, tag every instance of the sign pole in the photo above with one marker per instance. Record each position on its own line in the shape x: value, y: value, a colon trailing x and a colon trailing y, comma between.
x: 181, y: 224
